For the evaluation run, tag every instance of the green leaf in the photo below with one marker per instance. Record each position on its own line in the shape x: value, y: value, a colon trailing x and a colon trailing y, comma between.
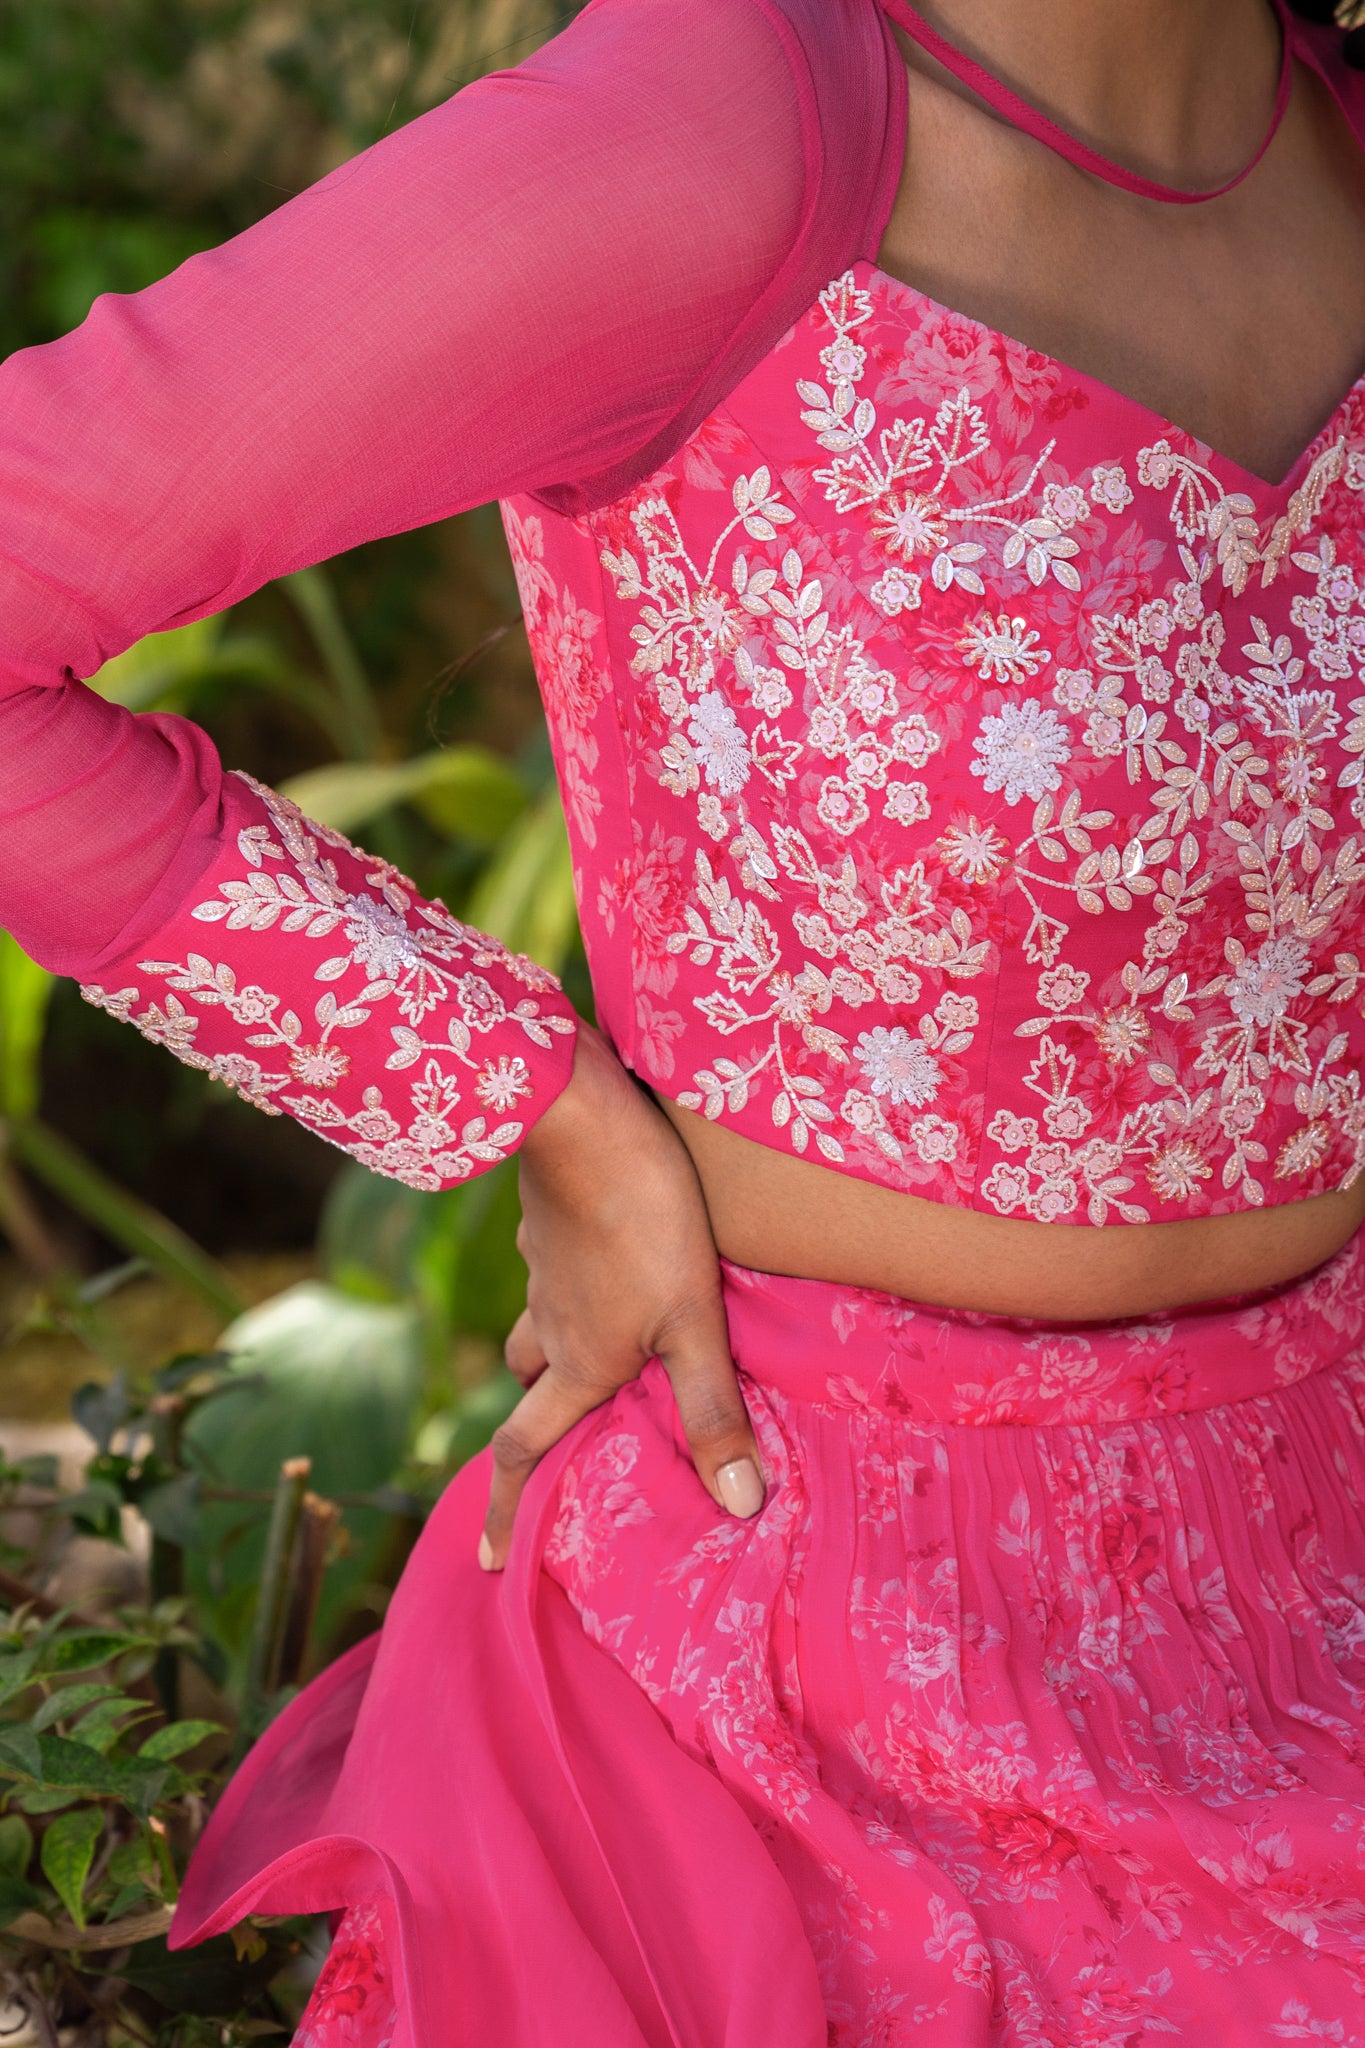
x: 33, y: 1800
x: 16, y: 1674
x: 68, y: 1700
x: 464, y: 791
x: 176, y: 1738
x: 16, y: 1845
x: 25, y: 990
x: 20, y: 1751
x: 101, y: 1728
x: 102, y: 1409
x: 67, y: 1852
x: 73, y: 1767
x: 336, y: 1380
x: 16, y: 1896
x: 173, y: 1508
x: 89, y: 1649
x: 525, y: 896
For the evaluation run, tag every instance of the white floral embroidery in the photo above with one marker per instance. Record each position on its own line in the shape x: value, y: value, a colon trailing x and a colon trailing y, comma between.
x: 1022, y: 751
x: 401, y: 950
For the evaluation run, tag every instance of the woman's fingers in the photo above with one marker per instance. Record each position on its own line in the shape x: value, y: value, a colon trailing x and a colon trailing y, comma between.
x: 694, y: 1351
x: 524, y: 1352
x: 541, y: 1417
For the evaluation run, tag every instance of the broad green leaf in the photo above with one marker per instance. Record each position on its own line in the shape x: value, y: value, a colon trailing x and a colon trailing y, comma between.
x: 525, y: 896
x: 25, y: 990
x: 135, y: 1862
x: 67, y: 1852
x: 16, y: 1845
x: 336, y: 1380
x: 20, y: 1751
x: 176, y: 1738
x: 16, y: 1896
x: 467, y: 792
x: 89, y: 1649
x: 69, y: 1700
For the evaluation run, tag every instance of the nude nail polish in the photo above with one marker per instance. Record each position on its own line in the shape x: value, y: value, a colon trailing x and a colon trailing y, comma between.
x: 740, y: 1487
x: 485, y: 1554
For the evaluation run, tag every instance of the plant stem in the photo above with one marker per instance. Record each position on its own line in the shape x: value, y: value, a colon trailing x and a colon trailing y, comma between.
x: 272, y: 1600
x: 22, y: 1224
x: 130, y: 1222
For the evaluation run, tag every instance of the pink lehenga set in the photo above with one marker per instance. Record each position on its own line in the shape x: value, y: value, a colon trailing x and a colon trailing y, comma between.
x: 965, y: 771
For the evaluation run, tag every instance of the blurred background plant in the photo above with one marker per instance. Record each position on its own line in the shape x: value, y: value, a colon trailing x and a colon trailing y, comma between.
x: 272, y: 1360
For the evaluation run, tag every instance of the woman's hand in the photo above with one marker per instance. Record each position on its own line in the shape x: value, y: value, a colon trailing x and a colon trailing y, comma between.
x: 623, y: 1268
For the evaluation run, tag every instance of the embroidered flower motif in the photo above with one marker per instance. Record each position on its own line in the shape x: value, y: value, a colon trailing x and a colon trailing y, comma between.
x: 319, y: 1066
x: 1265, y: 984
x: 1022, y: 750
x: 1109, y: 486
x: 380, y: 940
x: 842, y: 805
x: 896, y: 591
x: 976, y: 852
x: 503, y: 1084
x: 1003, y: 649
x: 1062, y: 987
x: 898, y: 1066
x: 907, y: 803
x: 721, y: 746
x: 1066, y: 503
x: 912, y: 525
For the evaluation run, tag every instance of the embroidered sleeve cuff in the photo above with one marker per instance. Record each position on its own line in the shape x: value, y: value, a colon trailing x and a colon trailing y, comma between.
x: 314, y: 981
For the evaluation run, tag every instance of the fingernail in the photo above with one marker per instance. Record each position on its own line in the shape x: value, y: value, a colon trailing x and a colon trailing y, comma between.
x: 485, y: 1554
x: 741, y: 1489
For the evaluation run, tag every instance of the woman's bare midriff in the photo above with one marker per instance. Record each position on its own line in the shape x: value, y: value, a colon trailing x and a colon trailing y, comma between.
x: 780, y: 1214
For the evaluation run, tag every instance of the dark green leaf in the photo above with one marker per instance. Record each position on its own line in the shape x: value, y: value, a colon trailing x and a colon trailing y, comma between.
x: 88, y: 1649
x: 16, y: 1897
x: 176, y: 1739
x: 173, y: 1508
x: 68, y: 1700
x: 33, y: 1800
x: 20, y: 1751
x: 67, y: 1852
x: 101, y: 1410
x: 207, y: 1979
x: 16, y: 1845
x: 101, y: 1728
x: 97, y: 1510
x: 72, y: 1767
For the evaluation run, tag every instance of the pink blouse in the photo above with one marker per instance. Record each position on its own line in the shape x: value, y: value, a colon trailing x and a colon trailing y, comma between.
x: 960, y: 764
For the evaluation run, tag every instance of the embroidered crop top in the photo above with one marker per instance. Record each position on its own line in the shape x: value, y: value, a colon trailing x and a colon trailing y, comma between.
x: 965, y: 769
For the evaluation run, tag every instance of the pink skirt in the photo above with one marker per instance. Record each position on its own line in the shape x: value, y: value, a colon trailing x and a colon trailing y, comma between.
x: 1030, y: 1711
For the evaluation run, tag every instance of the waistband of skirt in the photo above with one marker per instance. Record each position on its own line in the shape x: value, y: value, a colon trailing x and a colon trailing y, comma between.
x: 848, y: 1347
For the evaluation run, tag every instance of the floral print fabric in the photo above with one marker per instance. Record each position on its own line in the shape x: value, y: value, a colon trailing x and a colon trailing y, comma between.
x: 965, y: 773
x: 1039, y: 1683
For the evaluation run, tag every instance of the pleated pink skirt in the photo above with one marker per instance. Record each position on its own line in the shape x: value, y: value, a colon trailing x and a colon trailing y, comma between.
x: 1030, y: 1711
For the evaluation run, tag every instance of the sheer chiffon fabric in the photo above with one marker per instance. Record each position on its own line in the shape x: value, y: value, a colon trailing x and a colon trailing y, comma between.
x: 540, y: 286
x: 1030, y: 1711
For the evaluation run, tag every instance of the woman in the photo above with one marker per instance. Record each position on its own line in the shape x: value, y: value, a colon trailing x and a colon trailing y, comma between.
x: 962, y: 762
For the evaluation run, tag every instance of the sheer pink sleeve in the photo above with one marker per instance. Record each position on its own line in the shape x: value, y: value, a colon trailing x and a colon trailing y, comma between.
x: 540, y: 286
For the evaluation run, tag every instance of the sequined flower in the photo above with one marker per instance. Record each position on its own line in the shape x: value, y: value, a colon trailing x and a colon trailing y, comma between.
x: 1022, y: 750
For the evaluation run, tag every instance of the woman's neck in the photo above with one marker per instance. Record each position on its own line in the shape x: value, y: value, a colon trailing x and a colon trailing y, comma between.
x: 1179, y: 90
